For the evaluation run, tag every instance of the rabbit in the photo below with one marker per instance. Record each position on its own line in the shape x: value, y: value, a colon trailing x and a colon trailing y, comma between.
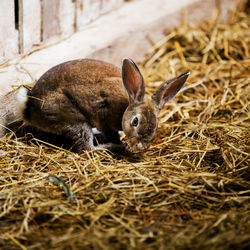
x: 73, y: 97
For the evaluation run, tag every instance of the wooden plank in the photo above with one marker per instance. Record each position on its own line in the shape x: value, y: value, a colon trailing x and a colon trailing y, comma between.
x: 57, y: 18
x: 8, y: 33
x: 87, y: 11
x: 50, y: 20
x: 29, y: 24
x: 67, y: 17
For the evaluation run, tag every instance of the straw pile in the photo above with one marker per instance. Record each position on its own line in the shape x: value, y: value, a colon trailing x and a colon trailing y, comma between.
x: 190, y: 190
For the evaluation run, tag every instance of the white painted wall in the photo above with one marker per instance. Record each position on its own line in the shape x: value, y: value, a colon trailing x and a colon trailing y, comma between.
x: 111, y: 37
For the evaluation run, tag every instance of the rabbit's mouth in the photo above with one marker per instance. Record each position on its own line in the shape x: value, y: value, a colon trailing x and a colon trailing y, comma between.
x: 134, y: 146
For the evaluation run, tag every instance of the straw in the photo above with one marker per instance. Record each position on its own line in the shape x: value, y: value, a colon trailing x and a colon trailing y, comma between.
x: 190, y: 190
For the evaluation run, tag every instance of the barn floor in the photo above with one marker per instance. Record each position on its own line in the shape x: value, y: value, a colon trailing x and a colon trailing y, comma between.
x: 190, y: 190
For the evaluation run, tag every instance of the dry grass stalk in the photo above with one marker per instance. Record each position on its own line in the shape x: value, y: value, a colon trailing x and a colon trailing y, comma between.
x: 190, y: 190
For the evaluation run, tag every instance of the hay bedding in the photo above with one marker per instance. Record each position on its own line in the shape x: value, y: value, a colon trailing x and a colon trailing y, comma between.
x: 189, y: 191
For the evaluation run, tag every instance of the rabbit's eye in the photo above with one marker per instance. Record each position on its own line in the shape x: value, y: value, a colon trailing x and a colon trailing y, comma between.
x: 134, y: 122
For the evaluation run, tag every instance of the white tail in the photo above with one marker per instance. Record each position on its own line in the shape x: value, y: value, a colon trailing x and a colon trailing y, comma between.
x: 22, y: 98
x: 12, y: 106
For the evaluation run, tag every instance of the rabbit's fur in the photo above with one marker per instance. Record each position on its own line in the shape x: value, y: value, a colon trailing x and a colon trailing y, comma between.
x: 73, y: 97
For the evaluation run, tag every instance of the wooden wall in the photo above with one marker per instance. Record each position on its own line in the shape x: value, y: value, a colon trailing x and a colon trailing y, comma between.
x: 26, y: 24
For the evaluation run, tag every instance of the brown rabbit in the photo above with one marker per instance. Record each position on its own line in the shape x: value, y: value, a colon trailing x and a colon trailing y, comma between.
x: 73, y: 97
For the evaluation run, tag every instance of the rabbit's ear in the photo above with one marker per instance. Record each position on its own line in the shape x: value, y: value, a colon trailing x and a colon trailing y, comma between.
x: 169, y: 89
x: 133, y: 80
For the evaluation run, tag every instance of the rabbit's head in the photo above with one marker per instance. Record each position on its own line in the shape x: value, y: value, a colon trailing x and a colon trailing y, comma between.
x: 140, y: 118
